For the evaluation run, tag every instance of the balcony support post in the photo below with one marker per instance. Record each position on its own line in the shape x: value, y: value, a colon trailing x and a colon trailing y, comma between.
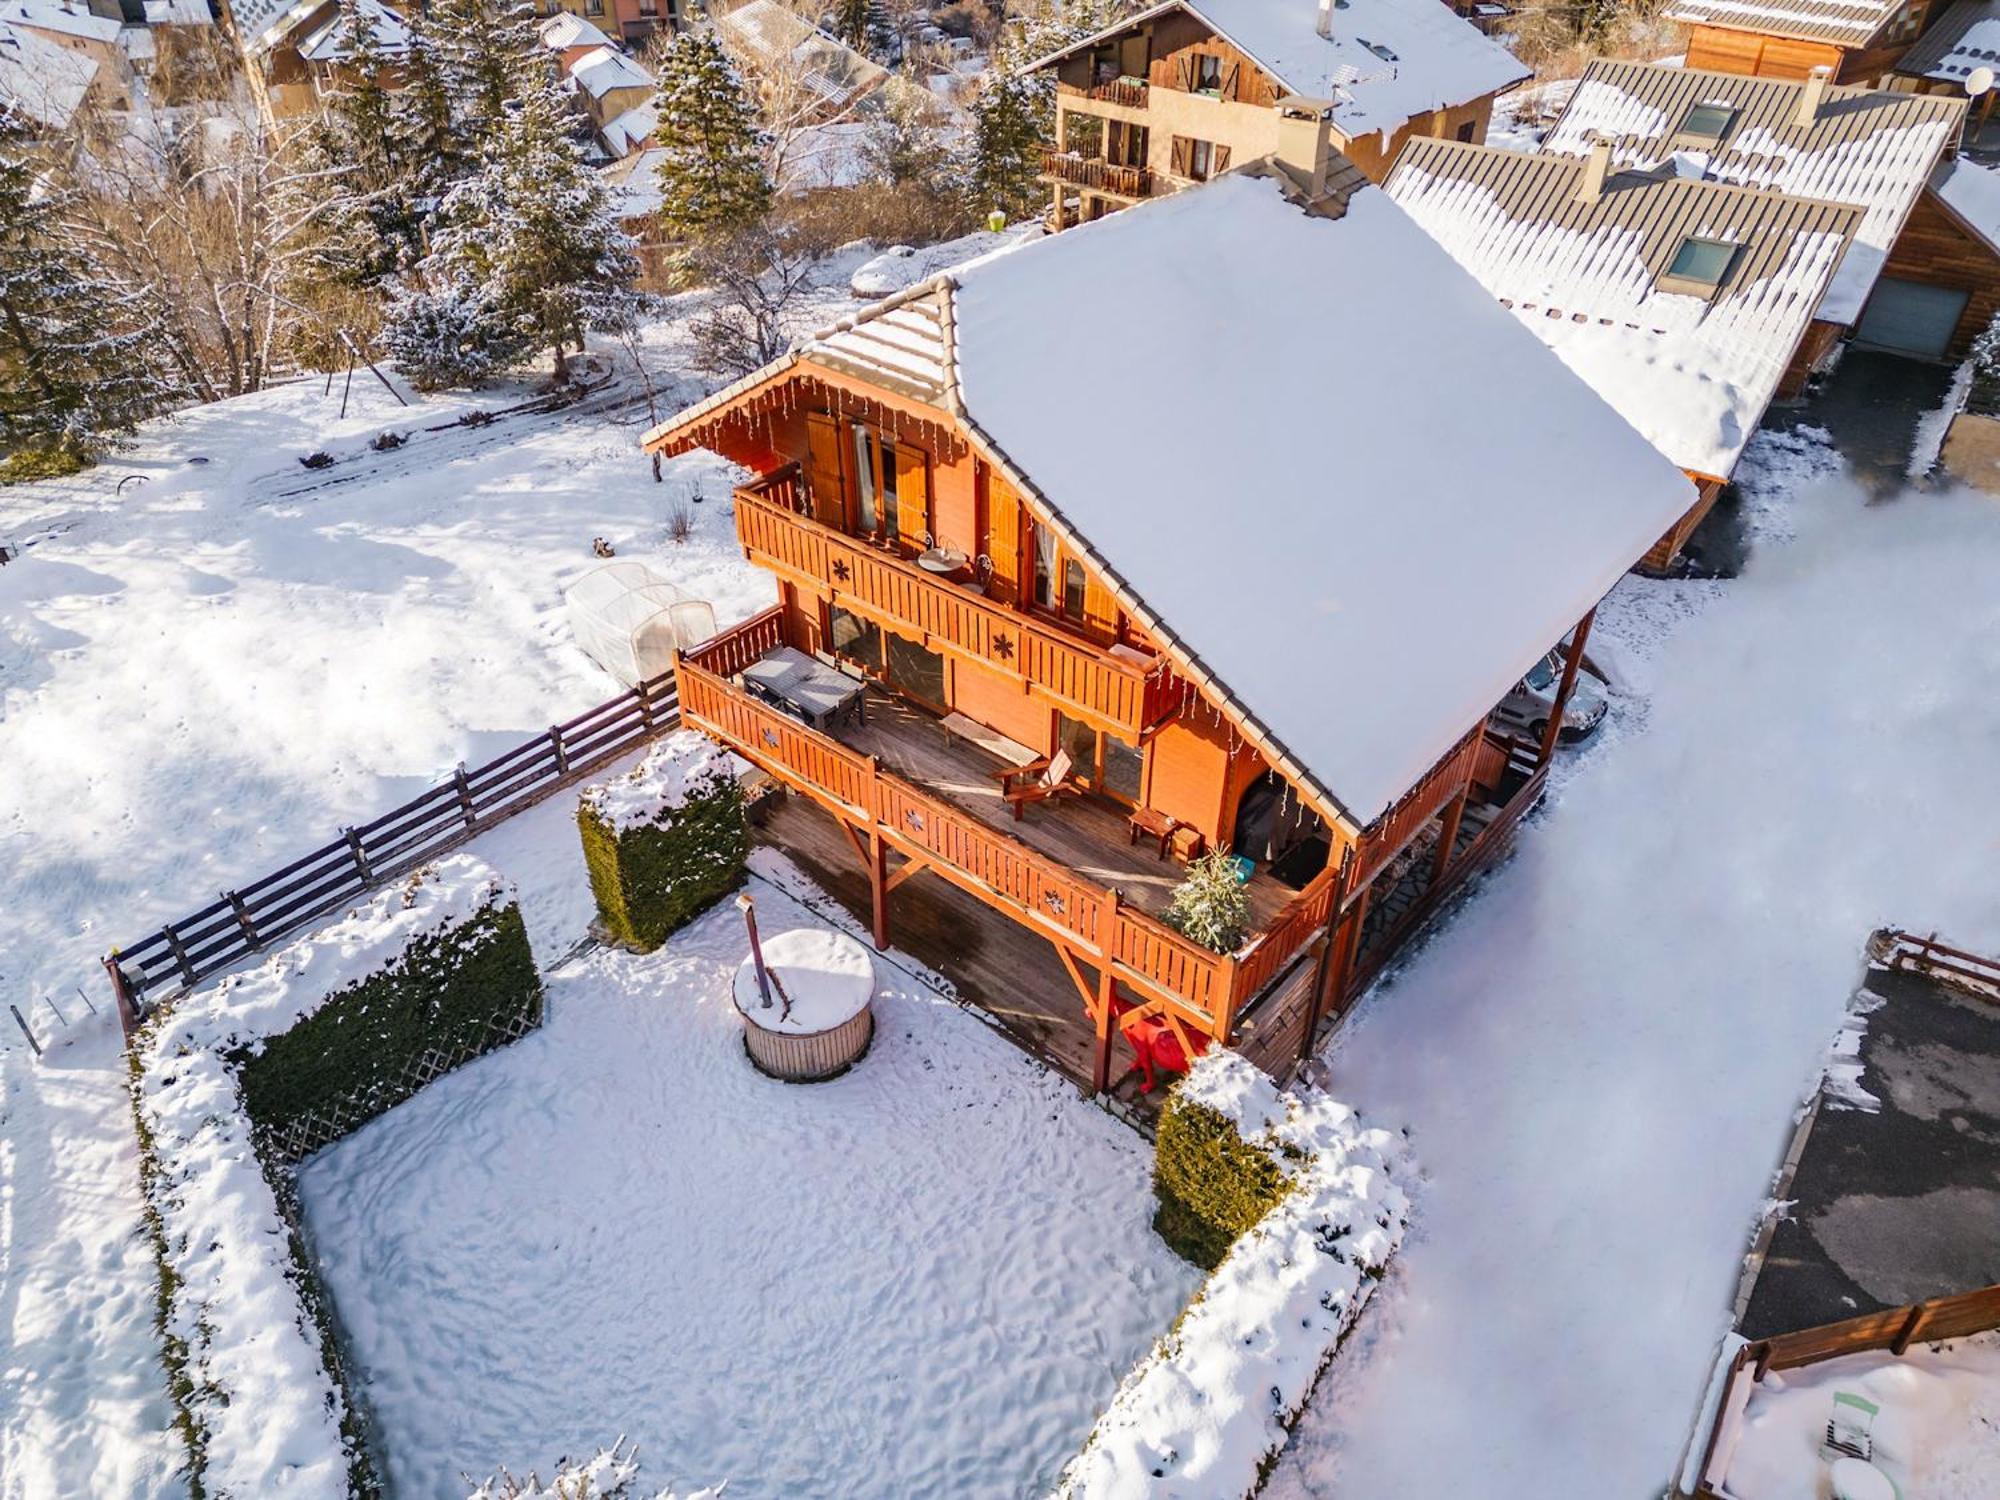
x: 1571, y: 660
x: 1107, y: 990
x: 878, y: 886
x: 1448, y: 835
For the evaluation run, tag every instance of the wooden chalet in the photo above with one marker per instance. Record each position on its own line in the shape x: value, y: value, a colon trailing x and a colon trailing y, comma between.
x: 1685, y: 303
x: 1215, y: 579
x: 1913, y: 282
x: 1947, y: 59
x: 1857, y: 41
x: 1175, y: 94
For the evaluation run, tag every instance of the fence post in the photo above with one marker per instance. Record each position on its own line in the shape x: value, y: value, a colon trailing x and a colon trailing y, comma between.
x: 181, y: 961
x: 26, y: 1031
x: 242, y: 917
x: 645, y: 692
x: 128, y: 1010
x: 562, y: 754
x: 463, y: 783
x: 360, y: 856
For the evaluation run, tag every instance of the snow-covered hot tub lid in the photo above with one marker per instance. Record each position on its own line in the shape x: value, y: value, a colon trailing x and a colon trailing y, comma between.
x: 827, y: 975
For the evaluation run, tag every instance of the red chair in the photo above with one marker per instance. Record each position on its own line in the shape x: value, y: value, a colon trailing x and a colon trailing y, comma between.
x: 1158, y: 1048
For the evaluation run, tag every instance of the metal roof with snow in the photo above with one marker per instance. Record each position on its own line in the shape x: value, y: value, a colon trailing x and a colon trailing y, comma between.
x: 46, y: 81
x: 830, y: 68
x: 1964, y: 38
x: 604, y: 69
x: 1844, y: 23
x: 564, y: 30
x: 327, y: 42
x: 1385, y: 62
x: 1592, y: 277
x: 1358, y: 575
x: 62, y: 17
x: 1872, y: 148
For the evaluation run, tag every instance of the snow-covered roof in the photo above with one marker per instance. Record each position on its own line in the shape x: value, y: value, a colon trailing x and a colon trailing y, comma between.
x: 829, y: 67
x: 562, y: 31
x: 627, y: 132
x: 1965, y: 37
x: 634, y: 184
x: 834, y: 155
x: 261, y: 23
x: 1869, y: 147
x: 1386, y: 61
x: 1971, y: 193
x: 1301, y: 532
x: 327, y: 42
x: 1694, y: 374
x: 47, y: 82
x: 1845, y: 23
x: 600, y: 71
x: 61, y: 16
x: 178, y: 13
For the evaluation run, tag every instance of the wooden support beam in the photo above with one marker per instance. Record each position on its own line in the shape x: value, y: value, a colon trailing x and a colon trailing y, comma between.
x: 913, y: 864
x: 1448, y: 835
x: 1100, y: 1073
x: 1083, y: 986
x: 878, y: 887
x: 1571, y: 659
x: 1350, y: 948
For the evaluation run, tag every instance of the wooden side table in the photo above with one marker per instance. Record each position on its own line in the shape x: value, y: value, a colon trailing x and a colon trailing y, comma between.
x: 1153, y: 823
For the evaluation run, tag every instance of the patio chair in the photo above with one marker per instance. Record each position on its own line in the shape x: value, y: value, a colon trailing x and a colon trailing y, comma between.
x: 1041, y: 779
x: 1849, y: 1431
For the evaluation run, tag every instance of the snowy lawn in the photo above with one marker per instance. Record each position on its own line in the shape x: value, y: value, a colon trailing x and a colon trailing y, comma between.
x: 922, y: 1278
x: 1600, y: 1055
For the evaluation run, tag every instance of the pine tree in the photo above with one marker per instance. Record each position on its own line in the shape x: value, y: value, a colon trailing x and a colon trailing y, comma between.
x: 1006, y: 148
x: 489, y: 50
x: 73, y: 374
x: 424, y: 139
x: 711, y: 173
x: 528, y: 254
x: 1211, y: 906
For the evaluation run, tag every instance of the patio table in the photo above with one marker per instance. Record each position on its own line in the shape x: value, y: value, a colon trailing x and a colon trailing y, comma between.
x: 807, y: 689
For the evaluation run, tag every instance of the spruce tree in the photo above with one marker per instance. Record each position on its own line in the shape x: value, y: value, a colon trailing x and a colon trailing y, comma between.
x: 1006, y: 149
x: 528, y: 254
x: 711, y: 174
x: 73, y: 372
x: 489, y: 50
x: 425, y: 142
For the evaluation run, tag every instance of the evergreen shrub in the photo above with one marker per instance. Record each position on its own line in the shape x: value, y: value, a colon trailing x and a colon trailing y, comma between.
x: 650, y: 877
x: 1212, y: 1185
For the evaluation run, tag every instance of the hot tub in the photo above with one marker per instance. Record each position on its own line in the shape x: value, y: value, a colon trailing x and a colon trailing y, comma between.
x: 829, y: 980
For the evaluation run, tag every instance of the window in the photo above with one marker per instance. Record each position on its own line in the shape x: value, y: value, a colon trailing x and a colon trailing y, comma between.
x: 1207, y: 74
x: 1466, y: 131
x: 857, y: 640
x: 649, y: 7
x: 1045, y: 567
x: 1705, y: 124
x: 1104, y: 763
x: 882, y: 476
x: 1201, y: 160
x: 1072, y: 601
x: 1699, y: 266
x: 916, y: 672
x: 864, y: 469
x: 593, y: 7
x: 1124, y: 769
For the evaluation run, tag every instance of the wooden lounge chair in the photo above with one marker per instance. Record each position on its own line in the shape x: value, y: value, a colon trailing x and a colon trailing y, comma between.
x: 1040, y: 779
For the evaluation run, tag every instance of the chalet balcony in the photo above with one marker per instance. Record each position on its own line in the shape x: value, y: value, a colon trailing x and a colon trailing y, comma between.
x: 1109, y: 687
x: 1069, y: 872
x: 1130, y: 93
x: 1097, y: 176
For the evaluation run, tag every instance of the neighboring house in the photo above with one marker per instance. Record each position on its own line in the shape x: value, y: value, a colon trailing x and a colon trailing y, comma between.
x: 1683, y: 303
x: 297, y: 55
x: 616, y: 93
x: 571, y: 38
x: 75, y: 29
x: 630, y: 20
x: 1914, y: 282
x: 1176, y: 93
x: 46, y: 83
x: 829, y: 70
x: 1245, y: 594
x: 1867, y: 1319
x: 1858, y: 41
x: 1957, y: 55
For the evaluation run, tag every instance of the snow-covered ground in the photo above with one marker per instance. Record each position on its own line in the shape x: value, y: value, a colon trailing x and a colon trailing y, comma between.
x: 922, y: 1278
x: 1937, y: 1433
x: 1599, y: 1056
x: 203, y: 674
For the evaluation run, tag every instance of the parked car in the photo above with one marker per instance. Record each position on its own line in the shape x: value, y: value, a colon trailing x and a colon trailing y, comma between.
x: 1534, y: 698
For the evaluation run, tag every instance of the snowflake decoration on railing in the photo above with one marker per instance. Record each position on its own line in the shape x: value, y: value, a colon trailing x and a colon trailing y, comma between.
x: 914, y: 818
x: 770, y: 737
x: 1054, y: 902
x: 1003, y: 647
x: 841, y: 571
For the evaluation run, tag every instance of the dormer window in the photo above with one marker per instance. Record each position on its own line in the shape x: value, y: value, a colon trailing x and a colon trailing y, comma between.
x: 1207, y: 74
x: 1699, y: 266
x: 1705, y: 125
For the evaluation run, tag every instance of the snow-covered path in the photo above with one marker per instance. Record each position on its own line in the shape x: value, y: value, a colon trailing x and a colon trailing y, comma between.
x: 1599, y: 1057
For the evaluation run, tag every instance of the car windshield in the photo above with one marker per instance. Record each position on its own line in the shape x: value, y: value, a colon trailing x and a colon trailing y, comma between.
x: 1542, y: 675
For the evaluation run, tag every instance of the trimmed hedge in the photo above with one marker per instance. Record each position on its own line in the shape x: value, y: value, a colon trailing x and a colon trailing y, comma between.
x: 650, y: 878
x: 1212, y: 1185
x: 356, y: 1053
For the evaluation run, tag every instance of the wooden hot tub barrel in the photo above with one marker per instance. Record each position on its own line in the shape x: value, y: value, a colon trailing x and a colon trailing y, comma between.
x: 813, y: 1055
x: 828, y: 980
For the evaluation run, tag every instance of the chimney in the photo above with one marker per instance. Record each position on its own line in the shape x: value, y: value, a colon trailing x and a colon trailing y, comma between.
x: 1596, y: 166
x: 1324, y: 26
x: 1304, y: 145
x: 1813, y: 95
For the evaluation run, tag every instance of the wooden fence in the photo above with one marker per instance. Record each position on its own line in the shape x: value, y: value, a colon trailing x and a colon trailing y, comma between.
x: 247, y: 920
x: 1946, y: 964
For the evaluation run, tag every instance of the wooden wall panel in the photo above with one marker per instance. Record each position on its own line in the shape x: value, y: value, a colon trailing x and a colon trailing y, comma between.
x: 1721, y: 50
x: 955, y: 505
x: 1187, y: 773
x: 1935, y: 249
x: 1002, y: 703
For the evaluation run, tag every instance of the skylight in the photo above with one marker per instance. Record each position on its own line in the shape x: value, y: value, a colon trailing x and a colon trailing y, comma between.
x: 1706, y: 123
x: 1698, y: 266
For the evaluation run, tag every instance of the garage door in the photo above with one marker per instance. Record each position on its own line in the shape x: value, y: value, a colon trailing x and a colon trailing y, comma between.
x: 1911, y: 318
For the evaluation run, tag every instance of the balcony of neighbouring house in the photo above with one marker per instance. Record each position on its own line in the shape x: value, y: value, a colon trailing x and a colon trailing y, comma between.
x: 1114, y: 687
x: 1070, y: 872
x: 1129, y: 93
x: 1097, y: 176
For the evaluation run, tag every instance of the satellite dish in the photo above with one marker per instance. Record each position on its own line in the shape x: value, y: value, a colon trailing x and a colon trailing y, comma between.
x: 1979, y: 81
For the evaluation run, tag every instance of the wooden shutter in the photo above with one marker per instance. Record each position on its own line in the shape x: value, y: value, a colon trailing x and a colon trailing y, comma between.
x: 913, y: 491
x: 1003, y: 539
x: 1218, y: 161
x: 1183, y: 149
x: 825, y: 473
x: 1184, y: 72
x: 1229, y: 77
x: 1100, y: 610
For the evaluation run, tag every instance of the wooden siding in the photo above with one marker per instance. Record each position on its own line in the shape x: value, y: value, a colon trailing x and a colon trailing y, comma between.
x: 1660, y: 556
x: 880, y: 585
x: 1936, y: 249
x: 1385, y: 838
x: 1722, y: 50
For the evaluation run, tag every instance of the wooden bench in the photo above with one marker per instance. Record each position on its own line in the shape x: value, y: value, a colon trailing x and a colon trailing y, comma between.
x: 957, y: 726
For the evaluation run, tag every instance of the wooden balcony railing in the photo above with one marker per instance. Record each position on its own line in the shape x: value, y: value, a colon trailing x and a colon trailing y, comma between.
x: 1380, y: 842
x: 1205, y: 989
x: 1089, y: 683
x: 1098, y: 176
x: 1129, y: 92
